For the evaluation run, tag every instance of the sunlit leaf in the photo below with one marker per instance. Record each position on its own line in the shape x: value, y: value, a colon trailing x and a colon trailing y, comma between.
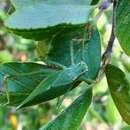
x: 123, y: 24
x: 71, y: 118
x: 33, y: 19
x: 120, y: 90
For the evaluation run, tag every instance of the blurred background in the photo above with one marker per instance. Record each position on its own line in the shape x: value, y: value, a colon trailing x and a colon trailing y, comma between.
x: 102, y: 114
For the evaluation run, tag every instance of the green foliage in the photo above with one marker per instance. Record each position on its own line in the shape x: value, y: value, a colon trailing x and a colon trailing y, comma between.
x: 69, y: 48
x: 55, y: 84
x: 78, y: 45
x: 119, y: 88
x: 123, y: 24
x: 45, y: 18
x: 19, y: 79
x: 71, y: 118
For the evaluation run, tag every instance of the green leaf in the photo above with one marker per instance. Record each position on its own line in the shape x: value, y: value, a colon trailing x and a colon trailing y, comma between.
x: 120, y: 90
x: 82, y: 63
x: 112, y: 114
x: 87, y: 49
x: 24, y: 3
x: 19, y: 79
x: 123, y: 24
x: 42, y: 19
x: 94, y: 2
x: 71, y: 118
x: 55, y: 85
x: 73, y: 46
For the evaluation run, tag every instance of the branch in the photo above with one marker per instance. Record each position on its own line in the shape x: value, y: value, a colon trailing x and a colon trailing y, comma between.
x: 107, y: 54
x: 108, y: 51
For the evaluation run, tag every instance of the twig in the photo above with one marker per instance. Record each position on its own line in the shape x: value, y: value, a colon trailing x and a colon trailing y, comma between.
x: 104, y: 6
x: 107, y: 54
x: 108, y: 51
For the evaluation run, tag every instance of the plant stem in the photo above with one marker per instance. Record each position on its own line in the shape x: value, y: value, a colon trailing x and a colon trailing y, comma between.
x: 108, y: 52
x: 104, y: 5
